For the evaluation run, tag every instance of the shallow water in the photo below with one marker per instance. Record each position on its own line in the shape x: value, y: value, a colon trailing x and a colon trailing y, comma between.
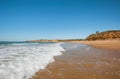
x: 83, y: 62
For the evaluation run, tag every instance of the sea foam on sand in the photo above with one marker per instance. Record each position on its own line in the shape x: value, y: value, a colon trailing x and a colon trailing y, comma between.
x: 21, y: 61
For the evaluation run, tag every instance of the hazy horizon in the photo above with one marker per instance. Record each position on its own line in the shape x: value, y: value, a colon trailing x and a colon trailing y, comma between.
x: 22, y: 20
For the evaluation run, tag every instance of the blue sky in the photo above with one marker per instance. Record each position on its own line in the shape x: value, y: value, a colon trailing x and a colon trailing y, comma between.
x: 56, y: 19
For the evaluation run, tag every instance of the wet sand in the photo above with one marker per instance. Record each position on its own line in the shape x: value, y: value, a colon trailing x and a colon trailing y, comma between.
x: 83, y: 62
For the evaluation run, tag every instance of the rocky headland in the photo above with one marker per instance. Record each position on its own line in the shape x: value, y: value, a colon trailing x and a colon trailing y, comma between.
x: 106, y: 35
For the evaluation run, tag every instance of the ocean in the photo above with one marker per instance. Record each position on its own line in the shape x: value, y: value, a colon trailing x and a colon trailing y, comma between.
x: 21, y: 60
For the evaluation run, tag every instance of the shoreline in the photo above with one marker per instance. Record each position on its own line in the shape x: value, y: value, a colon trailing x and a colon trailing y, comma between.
x: 104, y: 44
x: 82, y: 62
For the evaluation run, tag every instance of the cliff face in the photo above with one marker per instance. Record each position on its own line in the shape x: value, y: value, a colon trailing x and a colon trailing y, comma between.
x: 106, y: 35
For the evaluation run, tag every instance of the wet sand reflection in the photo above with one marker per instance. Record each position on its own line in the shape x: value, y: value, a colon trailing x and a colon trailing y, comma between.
x: 83, y: 62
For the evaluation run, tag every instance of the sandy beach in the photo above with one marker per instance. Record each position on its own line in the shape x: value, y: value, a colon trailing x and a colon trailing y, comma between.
x: 85, y: 62
x: 105, y: 44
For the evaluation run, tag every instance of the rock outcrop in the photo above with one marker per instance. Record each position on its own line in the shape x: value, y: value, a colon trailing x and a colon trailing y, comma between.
x: 106, y: 35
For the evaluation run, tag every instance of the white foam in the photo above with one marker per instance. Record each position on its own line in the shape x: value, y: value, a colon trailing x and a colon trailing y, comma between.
x: 22, y: 61
x: 24, y: 43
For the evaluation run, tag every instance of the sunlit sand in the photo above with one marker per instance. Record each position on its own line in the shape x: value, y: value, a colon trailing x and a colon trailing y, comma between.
x: 83, y: 62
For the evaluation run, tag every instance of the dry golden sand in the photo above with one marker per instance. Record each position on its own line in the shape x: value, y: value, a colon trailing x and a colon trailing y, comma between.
x: 106, y: 44
x: 84, y: 63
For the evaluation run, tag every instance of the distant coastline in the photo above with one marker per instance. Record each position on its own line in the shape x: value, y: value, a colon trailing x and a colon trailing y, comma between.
x: 106, y: 35
x: 107, y: 40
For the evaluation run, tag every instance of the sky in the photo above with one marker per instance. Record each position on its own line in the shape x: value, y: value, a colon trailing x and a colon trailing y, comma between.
x: 22, y: 20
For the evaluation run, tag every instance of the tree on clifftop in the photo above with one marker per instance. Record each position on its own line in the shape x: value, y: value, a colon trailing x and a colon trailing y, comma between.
x: 97, y: 32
